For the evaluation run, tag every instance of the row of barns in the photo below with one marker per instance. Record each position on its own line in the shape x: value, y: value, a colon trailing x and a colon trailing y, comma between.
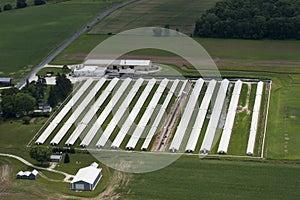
x: 126, y: 113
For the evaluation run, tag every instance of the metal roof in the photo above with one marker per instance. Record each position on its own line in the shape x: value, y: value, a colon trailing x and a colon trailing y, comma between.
x: 133, y: 114
x: 226, y: 134
x: 77, y: 112
x: 4, y: 79
x: 185, y: 119
x: 63, y: 112
x: 119, y: 114
x: 58, y: 157
x: 87, y: 174
x: 117, y: 62
x: 255, y: 119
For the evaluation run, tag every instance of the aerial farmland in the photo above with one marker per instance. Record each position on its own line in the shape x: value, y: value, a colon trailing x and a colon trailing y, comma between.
x: 148, y: 123
x: 161, y: 115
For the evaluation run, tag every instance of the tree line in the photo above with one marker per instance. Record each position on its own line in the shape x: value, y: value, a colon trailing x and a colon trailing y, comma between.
x: 251, y: 19
x: 23, y: 4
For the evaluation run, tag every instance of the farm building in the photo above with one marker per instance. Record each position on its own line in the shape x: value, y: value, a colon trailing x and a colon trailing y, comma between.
x: 211, y: 102
x: 89, y: 71
x: 87, y: 178
x: 27, y: 174
x: 98, y: 68
x: 55, y: 158
x: 144, y: 65
x: 5, y: 82
x: 45, y: 107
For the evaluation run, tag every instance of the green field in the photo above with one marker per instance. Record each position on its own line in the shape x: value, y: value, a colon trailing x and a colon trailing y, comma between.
x: 228, y: 54
x: 28, y: 35
x: 193, y: 178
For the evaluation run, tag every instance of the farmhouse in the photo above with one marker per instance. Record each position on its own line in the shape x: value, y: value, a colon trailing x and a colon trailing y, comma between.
x: 5, y: 82
x: 45, y: 107
x: 27, y: 174
x: 87, y: 178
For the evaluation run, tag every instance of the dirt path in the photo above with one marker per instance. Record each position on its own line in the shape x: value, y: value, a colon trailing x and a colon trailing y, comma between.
x: 119, y: 179
x: 4, y: 178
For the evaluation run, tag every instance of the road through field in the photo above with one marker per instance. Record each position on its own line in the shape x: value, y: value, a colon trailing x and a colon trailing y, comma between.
x: 70, y: 40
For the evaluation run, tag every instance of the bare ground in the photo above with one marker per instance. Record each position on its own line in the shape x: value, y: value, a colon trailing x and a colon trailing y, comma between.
x: 118, y: 179
x: 5, y: 181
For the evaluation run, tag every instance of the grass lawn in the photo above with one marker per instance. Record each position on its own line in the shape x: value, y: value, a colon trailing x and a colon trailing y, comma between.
x: 283, y: 135
x: 193, y: 178
x: 15, y: 136
x: 41, y: 188
x: 229, y: 54
x: 54, y: 70
x: 35, y: 31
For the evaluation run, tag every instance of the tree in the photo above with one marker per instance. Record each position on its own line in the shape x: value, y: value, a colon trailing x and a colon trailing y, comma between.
x: 39, y: 2
x: 251, y: 19
x: 24, y: 103
x: 40, y: 154
x: 26, y: 120
x: 53, y: 97
x: 67, y: 158
x: 10, y: 91
x: 8, y: 107
x: 21, y: 4
x: 7, y: 7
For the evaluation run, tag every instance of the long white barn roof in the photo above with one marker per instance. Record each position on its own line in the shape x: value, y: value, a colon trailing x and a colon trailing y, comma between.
x: 117, y: 62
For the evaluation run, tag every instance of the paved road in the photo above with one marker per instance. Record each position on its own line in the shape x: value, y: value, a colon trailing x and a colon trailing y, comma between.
x: 70, y: 40
x: 67, y: 176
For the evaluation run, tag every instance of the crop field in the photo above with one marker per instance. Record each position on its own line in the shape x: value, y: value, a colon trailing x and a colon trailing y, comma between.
x: 99, y: 117
x: 141, y: 14
x: 28, y: 35
x: 213, y: 179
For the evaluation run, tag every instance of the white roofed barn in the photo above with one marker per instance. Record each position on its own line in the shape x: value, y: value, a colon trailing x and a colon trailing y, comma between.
x: 87, y: 178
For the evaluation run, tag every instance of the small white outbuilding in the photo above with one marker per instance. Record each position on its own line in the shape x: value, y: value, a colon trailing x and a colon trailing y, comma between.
x: 27, y: 174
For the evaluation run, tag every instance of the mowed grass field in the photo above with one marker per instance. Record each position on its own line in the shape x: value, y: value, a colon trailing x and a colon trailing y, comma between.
x: 28, y: 35
x: 228, y: 54
x: 146, y: 13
